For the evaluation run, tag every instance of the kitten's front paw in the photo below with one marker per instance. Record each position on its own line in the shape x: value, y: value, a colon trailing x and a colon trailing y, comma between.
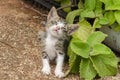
x: 46, y: 71
x: 59, y: 74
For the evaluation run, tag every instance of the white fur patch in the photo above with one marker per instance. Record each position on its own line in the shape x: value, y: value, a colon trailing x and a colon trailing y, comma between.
x: 46, y: 67
x: 58, y: 69
x: 50, y: 46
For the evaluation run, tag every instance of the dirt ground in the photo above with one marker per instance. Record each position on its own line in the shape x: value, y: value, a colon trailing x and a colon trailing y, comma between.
x: 20, y: 52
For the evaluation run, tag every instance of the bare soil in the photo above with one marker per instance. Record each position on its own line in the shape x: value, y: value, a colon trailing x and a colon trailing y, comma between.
x: 20, y: 52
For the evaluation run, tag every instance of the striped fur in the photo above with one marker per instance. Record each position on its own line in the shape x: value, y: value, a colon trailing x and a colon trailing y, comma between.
x: 53, y: 42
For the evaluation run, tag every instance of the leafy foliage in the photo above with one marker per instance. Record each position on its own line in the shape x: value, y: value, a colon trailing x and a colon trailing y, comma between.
x: 91, y: 57
x: 87, y: 55
x: 73, y: 14
x: 101, y: 16
x: 66, y: 2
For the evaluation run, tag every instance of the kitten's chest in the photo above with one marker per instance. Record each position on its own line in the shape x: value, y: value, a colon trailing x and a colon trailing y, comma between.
x: 51, y: 42
x: 50, y: 47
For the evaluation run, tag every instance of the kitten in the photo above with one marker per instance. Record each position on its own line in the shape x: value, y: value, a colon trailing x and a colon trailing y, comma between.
x: 57, y: 32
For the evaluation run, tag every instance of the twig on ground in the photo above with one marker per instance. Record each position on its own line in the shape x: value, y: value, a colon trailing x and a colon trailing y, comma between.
x: 42, y: 14
x: 6, y: 44
x: 38, y: 12
x: 66, y: 7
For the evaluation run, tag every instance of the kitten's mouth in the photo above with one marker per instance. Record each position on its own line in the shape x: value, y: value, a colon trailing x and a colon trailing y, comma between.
x: 56, y: 31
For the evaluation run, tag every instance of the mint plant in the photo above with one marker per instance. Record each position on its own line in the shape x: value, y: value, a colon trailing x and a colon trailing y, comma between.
x: 88, y: 56
x: 104, y: 12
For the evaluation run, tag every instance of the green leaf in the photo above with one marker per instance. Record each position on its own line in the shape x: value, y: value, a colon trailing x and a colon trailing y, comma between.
x: 107, y: 2
x: 100, y: 49
x: 103, y: 21
x: 110, y: 17
x: 113, y: 7
x: 111, y: 4
x: 98, y: 9
x: 75, y: 66
x: 80, y: 5
x: 90, y: 4
x: 105, y: 64
x: 117, y: 16
x: 116, y: 1
x: 96, y: 24
x: 80, y: 48
x: 87, y: 70
x: 87, y: 13
x: 69, y: 52
x: 84, y: 31
x: 71, y: 15
x: 74, y: 62
x: 72, y: 57
x: 64, y: 3
x: 104, y: 1
x: 95, y: 38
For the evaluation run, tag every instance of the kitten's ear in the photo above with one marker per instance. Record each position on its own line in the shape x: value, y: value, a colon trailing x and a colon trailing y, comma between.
x: 52, y: 13
x: 71, y: 28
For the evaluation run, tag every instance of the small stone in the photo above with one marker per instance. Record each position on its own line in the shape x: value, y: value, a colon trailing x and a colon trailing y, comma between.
x: 35, y: 17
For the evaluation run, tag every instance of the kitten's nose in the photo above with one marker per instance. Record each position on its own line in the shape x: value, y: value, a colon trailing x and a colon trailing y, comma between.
x: 57, y: 28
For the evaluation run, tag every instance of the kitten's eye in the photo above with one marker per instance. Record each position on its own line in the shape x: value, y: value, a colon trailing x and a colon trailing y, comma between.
x: 54, y: 22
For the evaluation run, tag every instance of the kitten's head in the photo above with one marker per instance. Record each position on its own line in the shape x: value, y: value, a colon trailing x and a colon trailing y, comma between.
x: 55, y: 24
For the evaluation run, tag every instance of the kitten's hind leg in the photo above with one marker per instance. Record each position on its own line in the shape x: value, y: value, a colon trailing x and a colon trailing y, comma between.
x: 46, y: 65
x: 59, y: 65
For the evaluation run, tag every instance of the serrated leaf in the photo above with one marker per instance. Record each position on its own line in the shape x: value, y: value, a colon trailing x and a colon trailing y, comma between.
x: 98, y: 9
x: 103, y: 21
x: 84, y: 31
x: 87, y: 13
x: 95, y: 38
x: 87, y: 70
x: 80, y: 48
x: 74, y: 62
x: 117, y: 16
x: 110, y: 16
x: 111, y: 4
x: 96, y: 24
x: 105, y: 64
x: 90, y: 4
x: 71, y: 15
x: 100, y: 49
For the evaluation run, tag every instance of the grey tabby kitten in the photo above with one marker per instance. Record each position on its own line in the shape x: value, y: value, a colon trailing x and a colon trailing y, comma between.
x: 57, y: 31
